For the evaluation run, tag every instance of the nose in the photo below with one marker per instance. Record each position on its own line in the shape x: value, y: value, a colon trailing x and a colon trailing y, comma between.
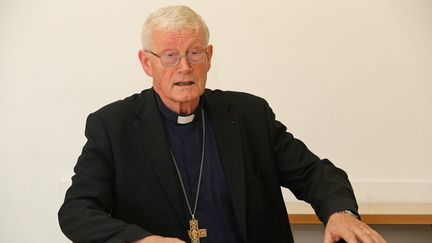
x: 184, y: 65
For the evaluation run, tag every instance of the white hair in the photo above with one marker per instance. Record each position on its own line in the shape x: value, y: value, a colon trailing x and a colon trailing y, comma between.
x: 172, y: 18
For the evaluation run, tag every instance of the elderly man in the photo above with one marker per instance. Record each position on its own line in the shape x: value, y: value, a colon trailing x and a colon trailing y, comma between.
x: 180, y: 163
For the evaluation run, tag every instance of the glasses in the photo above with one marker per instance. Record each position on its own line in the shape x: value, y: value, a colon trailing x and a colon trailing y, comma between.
x: 172, y: 58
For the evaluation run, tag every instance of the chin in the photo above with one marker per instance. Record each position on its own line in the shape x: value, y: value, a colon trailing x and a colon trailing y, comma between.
x: 189, y: 96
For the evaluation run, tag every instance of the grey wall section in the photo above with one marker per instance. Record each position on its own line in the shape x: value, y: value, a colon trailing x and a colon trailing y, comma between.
x: 352, y: 79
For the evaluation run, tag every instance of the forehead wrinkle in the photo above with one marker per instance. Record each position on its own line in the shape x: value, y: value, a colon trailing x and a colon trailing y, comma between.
x: 176, y: 39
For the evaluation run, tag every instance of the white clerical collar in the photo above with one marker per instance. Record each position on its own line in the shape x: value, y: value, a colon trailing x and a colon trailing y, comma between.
x: 174, y: 117
x: 185, y: 119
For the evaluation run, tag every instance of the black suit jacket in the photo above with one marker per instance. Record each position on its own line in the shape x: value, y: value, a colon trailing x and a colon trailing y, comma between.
x: 125, y: 185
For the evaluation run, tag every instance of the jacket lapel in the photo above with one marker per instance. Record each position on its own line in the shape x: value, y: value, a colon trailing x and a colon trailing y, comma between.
x: 225, y: 122
x: 155, y: 143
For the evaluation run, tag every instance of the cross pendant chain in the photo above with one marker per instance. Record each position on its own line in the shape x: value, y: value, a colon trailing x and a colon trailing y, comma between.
x: 195, y: 233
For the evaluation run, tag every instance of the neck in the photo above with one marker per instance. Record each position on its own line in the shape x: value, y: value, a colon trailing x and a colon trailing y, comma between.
x: 181, y: 108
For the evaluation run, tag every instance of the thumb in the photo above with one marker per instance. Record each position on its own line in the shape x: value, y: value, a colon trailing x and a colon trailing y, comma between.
x: 328, y: 237
x: 175, y: 240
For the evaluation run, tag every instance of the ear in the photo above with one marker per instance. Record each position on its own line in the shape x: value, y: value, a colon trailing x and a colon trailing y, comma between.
x: 209, y: 56
x: 145, y: 62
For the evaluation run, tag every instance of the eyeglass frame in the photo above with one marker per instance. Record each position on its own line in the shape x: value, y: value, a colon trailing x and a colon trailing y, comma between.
x: 180, y: 57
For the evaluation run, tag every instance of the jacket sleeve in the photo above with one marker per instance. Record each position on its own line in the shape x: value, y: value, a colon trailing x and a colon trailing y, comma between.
x: 314, y: 180
x: 85, y: 214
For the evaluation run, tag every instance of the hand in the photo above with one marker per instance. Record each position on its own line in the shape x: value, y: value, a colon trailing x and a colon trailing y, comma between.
x: 347, y: 227
x: 158, y: 239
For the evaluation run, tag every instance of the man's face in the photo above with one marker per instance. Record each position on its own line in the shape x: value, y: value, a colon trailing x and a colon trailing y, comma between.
x: 185, y: 82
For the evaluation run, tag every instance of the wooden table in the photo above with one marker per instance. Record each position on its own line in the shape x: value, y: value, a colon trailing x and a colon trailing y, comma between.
x: 371, y: 213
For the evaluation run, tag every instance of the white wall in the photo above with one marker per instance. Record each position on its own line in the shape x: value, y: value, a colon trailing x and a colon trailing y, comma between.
x: 353, y: 79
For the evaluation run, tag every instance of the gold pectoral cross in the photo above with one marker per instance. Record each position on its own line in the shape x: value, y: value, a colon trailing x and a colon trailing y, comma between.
x: 194, y: 232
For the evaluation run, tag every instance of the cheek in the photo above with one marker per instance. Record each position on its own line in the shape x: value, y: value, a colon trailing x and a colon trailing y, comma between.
x: 203, y: 78
x: 164, y: 79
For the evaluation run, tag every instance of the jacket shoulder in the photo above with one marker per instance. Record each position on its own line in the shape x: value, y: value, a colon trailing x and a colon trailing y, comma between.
x: 239, y: 99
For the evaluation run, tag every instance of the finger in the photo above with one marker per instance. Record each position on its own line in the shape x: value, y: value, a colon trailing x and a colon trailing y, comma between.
x: 352, y: 239
x: 336, y: 238
x: 376, y: 237
x: 349, y: 237
x: 363, y: 234
x: 328, y: 237
x: 175, y: 240
x: 380, y: 239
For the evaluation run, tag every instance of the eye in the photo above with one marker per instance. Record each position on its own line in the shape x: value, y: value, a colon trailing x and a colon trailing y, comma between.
x: 194, y: 52
x: 170, y: 54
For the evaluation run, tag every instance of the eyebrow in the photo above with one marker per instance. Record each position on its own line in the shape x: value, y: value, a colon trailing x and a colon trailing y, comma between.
x: 190, y: 48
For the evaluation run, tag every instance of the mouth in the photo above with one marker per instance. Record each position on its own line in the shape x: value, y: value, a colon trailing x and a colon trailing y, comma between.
x: 184, y: 83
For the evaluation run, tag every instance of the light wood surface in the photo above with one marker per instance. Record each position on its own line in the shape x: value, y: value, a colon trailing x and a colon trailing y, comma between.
x: 371, y: 213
